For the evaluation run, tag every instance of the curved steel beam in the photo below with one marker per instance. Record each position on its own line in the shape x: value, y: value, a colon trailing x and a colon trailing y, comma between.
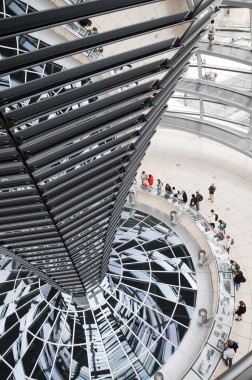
x: 215, y: 91
x: 236, y: 141
x: 238, y: 3
x: 240, y: 54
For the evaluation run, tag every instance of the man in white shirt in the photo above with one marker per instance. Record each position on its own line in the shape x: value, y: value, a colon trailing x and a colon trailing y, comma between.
x: 144, y: 177
x: 228, y: 355
x: 175, y: 192
x: 212, y: 219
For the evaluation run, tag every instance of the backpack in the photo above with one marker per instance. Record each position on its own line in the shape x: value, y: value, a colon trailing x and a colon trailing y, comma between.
x: 232, y: 241
x: 223, y: 225
x: 235, y: 345
x: 200, y: 197
x: 220, y: 235
x: 243, y: 279
x: 216, y: 217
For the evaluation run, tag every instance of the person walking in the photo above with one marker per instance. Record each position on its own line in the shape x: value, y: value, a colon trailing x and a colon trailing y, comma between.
x: 198, y: 199
x: 150, y: 180
x: 168, y: 189
x: 144, y: 177
x: 222, y: 226
x: 211, y: 190
x: 238, y: 278
x: 184, y: 196
x: 234, y: 266
x: 175, y: 192
x: 228, y: 355
x: 193, y: 201
x: 220, y: 235
x: 213, y: 217
x: 211, y: 32
x: 241, y: 309
x: 228, y: 242
x: 159, y: 186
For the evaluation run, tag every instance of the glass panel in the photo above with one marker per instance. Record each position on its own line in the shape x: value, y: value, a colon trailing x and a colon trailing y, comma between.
x: 132, y: 323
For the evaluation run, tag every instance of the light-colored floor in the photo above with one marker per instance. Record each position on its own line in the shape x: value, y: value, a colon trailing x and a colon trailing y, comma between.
x: 192, y: 163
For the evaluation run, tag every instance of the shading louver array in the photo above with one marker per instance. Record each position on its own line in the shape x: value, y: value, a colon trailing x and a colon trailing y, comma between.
x: 73, y: 138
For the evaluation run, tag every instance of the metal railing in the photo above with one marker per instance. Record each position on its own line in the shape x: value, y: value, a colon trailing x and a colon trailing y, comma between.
x: 242, y: 370
x: 221, y: 317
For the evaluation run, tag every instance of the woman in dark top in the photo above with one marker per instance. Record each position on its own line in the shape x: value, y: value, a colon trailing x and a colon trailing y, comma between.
x: 168, y: 189
x: 184, y: 196
x: 238, y: 278
x: 193, y: 201
x: 241, y: 310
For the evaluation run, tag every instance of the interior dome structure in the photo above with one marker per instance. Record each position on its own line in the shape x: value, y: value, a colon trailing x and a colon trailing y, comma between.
x: 94, y: 283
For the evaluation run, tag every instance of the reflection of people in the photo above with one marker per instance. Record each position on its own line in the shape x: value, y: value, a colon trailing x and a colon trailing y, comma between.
x: 85, y: 22
x: 211, y: 31
x: 92, y: 31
